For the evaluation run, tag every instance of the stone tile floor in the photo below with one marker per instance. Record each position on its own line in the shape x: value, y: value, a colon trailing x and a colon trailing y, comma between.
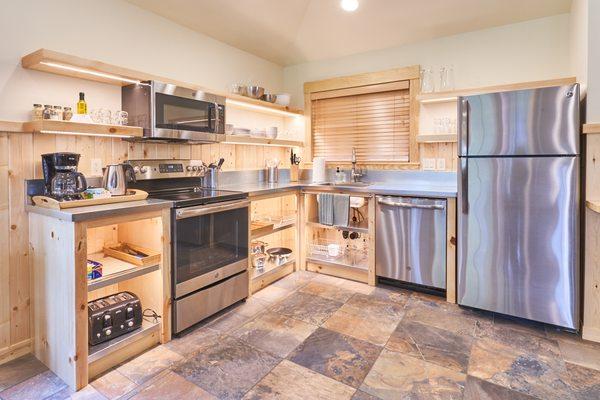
x: 311, y: 336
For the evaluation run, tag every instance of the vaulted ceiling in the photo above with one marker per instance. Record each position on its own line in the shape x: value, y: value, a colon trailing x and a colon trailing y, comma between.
x: 295, y: 31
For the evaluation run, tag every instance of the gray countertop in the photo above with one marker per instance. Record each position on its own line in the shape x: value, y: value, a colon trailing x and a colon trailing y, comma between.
x: 405, y: 188
x: 78, y: 214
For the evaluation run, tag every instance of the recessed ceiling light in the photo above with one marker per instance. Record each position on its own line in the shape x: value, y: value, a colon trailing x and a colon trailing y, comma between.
x: 349, y: 5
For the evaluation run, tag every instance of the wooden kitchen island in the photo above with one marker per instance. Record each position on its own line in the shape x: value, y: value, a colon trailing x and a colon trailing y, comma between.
x: 61, y: 242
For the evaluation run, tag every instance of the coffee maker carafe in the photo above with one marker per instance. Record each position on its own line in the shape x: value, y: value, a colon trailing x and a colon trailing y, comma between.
x: 61, y: 179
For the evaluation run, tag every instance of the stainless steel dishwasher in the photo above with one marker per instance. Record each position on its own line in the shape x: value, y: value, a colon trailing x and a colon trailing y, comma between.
x: 411, y: 240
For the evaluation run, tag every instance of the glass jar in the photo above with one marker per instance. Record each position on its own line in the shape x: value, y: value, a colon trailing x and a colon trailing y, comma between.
x: 58, y: 113
x: 48, y: 111
x: 67, y: 114
x: 37, y: 112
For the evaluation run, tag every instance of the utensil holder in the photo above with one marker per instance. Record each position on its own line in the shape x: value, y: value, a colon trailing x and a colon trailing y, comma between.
x: 272, y: 174
x: 294, y: 173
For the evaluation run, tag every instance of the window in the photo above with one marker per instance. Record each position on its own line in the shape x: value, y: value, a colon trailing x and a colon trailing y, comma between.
x: 373, y: 119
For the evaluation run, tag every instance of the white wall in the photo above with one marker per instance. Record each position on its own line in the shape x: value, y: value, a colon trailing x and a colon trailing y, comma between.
x: 115, y: 32
x: 578, y: 43
x: 532, y: 50
x: 593, y: 98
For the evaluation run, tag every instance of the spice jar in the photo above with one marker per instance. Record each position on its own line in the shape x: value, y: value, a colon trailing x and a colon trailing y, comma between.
x: 58, y: 113
x: 48, y: 111
x: 37, y: 113
x: 67, y: 114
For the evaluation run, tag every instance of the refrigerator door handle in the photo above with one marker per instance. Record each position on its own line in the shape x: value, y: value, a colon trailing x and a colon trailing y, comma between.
x: 463, y: 126
x: 464, y: 184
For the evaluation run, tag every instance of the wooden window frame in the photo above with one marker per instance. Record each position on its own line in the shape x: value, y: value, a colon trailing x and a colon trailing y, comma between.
x: 371, y: 82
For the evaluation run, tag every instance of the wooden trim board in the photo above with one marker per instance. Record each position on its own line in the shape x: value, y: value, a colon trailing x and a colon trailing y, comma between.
x: 436, y: 96
x: 69, y: 127
x: 364, y: 79
x: 591, y: 128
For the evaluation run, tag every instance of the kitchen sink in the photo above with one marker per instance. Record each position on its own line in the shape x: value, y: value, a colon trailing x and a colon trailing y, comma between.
x: 346, y: 184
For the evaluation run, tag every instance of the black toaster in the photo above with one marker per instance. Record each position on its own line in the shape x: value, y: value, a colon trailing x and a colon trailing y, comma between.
x: 112, y: 316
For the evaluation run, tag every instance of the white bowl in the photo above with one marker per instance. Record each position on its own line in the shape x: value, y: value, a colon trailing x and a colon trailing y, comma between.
x: 283, y: 99
x: 271, y: 132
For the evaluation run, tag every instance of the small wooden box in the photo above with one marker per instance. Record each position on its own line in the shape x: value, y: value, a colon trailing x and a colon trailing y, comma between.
x: 153, y: 257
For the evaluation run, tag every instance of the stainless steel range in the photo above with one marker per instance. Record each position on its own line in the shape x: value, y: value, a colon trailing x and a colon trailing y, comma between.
x: 209, y: 231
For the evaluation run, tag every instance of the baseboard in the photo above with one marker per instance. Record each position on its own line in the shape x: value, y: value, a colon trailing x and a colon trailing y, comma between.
x: 15, y: 351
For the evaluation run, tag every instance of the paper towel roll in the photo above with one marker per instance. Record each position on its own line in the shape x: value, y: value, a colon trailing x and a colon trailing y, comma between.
x: 319, y: 174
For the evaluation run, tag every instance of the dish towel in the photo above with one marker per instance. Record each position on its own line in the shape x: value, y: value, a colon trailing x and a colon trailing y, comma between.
x: 325, y: 208
x: 341, y: 208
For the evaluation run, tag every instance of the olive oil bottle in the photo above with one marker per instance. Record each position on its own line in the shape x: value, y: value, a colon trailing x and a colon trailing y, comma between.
x: 81, y: 104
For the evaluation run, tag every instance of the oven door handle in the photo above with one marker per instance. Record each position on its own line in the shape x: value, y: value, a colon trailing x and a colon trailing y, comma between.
x: 190, y: 212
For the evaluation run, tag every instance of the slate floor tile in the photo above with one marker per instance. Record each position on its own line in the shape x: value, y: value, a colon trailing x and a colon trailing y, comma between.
x: 19, y: 370
x: 399, y: 376
x: 337, y: 356
x: 307, y: 307
x: 477, y: 389
x: 328, y: 291
x: 38, y: 387
x: 228, y: 369
x: 275, y: 333
x: 292, y: 381
x: 148, y: 364
x: 113, y: 384
x: 435, y: 345
x: 173, y: 387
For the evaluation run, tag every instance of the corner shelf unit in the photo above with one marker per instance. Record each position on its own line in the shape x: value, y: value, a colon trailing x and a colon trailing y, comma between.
x: 62, y: 248
x: 259, y: 141
x: 357, y: 258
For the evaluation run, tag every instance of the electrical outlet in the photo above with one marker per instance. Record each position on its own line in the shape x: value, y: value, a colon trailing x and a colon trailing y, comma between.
x: 440, y: 164
x: 96, y: 167
x: 429, y: 164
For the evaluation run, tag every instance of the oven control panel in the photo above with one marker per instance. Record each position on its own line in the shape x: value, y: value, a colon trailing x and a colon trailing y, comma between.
x: 158, y: 169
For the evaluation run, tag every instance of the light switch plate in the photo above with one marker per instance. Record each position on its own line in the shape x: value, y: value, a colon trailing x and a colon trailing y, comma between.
x: 440, y: 164
x: 429, y: 164
x: 96, y: 167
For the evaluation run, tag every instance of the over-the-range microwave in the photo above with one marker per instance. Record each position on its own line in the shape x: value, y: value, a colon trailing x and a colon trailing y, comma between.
x: 173, y: 113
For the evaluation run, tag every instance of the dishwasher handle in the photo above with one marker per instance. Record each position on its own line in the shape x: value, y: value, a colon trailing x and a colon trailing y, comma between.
x: 403, y: 204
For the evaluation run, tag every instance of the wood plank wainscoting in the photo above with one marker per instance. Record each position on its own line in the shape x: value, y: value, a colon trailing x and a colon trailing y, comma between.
x: 20, y: 159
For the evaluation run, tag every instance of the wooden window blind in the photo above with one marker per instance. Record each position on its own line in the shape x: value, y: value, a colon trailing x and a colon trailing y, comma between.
x: 376, y: 123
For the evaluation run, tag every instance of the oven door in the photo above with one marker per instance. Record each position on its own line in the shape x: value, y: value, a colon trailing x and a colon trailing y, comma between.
x: 210, y: 243
x: 187, y: 114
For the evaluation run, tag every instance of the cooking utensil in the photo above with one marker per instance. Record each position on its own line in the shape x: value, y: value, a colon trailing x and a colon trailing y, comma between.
x: 255, y: 92
x: 258, y: 246
x: 220, y: 164
x: 279, y: 255
x: 259, y: 260
x: 117, y: 177
x: 271, y: 98
x: 239, y: 89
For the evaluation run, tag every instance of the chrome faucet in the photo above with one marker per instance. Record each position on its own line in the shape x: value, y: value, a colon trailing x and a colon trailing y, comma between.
x: 356, y: 173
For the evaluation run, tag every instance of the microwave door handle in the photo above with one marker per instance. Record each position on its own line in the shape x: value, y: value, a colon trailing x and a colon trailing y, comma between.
x: 217, y: 117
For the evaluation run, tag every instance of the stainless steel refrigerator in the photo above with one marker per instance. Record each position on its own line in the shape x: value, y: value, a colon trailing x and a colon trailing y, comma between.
x: 518, y: 204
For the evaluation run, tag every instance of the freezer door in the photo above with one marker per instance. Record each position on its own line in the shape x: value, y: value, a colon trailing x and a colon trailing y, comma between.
x: 520, y: 123
x: 518, y: 237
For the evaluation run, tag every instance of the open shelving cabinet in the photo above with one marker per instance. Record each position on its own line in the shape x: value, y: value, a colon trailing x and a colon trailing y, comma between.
x: 60, y: 252
x: 354, y: 258
x: 277, y: 217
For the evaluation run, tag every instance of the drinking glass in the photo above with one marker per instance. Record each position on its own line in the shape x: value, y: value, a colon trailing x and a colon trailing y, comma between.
x: 104, y: 116
x: 427, y: 81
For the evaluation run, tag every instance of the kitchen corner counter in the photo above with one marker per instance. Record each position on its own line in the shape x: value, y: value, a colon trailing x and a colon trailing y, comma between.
x: 79, y: 214
x: 404, y: 188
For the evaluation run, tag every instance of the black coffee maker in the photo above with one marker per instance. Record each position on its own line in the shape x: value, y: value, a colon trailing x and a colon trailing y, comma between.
x: 61, y: 179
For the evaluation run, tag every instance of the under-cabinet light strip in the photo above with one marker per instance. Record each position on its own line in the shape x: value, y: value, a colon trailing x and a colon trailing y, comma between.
x: 261, y: 108
x: 89, y: 72
x: 440, y: 100
x: 83, y: 133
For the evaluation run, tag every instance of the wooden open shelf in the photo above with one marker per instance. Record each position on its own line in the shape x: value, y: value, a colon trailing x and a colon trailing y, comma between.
x: 437, y: 138
x: 115, y: 271
x: 83, y: 68
x: 251, y: 140
x: 452, y: 96
x: 80, y: 128
x: 261, y: 232
x: 271, y: 273
x: 361, y: 227
x: 105, y: 349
